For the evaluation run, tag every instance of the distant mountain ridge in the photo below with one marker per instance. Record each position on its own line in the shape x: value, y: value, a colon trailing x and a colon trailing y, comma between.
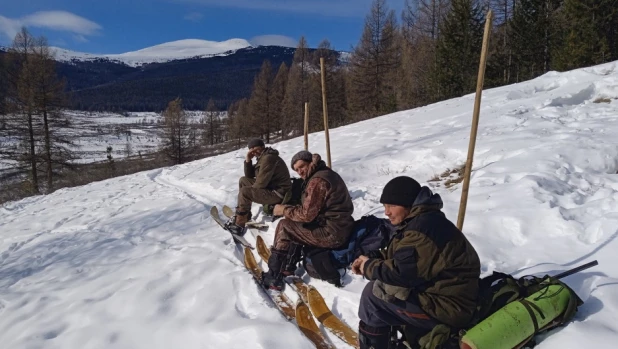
x: 143, y: 81
x: 147, y: 79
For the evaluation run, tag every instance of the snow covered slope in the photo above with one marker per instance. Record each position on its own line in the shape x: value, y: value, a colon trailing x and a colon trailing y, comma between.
x: 135, y: 262
x: 189, y: 48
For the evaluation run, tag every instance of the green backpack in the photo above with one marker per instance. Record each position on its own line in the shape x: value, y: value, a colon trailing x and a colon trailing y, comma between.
x: 496, y: 291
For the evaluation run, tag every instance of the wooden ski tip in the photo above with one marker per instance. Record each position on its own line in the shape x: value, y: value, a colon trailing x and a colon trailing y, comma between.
x: 325, y: 316
x: 228, y: 211
x: 249, y: 256
x: 307, y: 325
x: 263, y: 250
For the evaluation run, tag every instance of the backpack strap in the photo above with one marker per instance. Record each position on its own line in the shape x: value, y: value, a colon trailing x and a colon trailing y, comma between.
x: 439, y: 335
x: 529, y: 306
x: 510, y: 287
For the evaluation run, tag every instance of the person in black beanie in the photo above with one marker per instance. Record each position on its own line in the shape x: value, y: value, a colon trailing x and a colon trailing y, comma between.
x: 266, y: 182
x: 428, y: 275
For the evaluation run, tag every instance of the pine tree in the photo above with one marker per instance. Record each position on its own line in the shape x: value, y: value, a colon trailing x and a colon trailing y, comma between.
x: 261, y: 102
x: 278, y: 94
x: 20, y: 91
x: 211, y: 124
x: 49, y: 100
x: 374, y: 64
x: 297, y: 89
x: 534, y: 37
x: 232, y: 123
x: 3, y: 93
x: 335, y: 88
x: 421, y: 21
x: 459, y: 49
x: 238, y: 125
x: 591, y: 29
x: 425, y: 16
x: 499, y: 67
x: 176, y: 132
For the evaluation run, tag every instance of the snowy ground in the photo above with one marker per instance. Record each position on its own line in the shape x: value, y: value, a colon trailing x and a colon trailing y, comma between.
x: 128, y: 134
x: 135, y: 261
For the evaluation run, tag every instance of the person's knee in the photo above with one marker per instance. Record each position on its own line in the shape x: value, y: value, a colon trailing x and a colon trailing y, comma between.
x: 366, y: 308
x: 285, y: 224
x: 370, y: 337
x: 245, y: 192
x: 282, y: 230
x: 244, y: 182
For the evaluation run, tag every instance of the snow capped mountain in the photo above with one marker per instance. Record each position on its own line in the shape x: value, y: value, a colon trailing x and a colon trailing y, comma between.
x: 180, y: 49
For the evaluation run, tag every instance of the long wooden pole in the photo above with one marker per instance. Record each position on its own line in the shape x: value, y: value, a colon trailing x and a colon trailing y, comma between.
x: 325, y: 110
x: 475, y: 121
x: 306, y: 125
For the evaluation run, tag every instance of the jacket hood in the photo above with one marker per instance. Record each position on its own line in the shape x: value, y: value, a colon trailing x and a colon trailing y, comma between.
x: 270, y: 151
x: 427, y: 197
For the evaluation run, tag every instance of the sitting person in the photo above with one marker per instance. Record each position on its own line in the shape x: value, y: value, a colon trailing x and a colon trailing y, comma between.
x: 323, y: 219
x: 266, y: 182
x: 428, y: 275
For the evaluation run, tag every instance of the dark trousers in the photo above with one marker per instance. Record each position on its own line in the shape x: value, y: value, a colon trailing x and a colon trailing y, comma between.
x: 378, y: 313
x: 248, y: 195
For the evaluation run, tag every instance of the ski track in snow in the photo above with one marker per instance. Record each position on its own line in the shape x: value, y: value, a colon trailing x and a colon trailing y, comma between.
x: 136, y: 262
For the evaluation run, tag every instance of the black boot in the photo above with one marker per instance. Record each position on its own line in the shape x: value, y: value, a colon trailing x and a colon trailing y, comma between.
x: 236, y: 224
x: 373, y: 337
x: 293, y: 257
x: 273, y: 278
x: 236, y: 230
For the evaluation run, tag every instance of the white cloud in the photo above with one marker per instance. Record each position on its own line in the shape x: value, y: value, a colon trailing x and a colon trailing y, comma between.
x: 54, y: 20
x: 9, y: 27
x: 193, y: 16
x: 79, y: 38
x: 273, y: 40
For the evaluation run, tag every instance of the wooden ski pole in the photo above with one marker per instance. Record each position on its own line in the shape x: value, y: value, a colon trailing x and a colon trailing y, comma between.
x: 325, y: 110
x: 475, y: 121
x: 306, y: 125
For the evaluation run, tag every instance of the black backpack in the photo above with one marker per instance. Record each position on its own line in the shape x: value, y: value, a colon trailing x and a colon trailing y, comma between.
x: 292, y: 197
x: 369, y: 233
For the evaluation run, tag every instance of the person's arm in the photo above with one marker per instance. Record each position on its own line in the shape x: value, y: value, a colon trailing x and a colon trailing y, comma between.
x: 249, y: 169
x: 267, y: 170
x: 315, y: 197
x: 411, y: 264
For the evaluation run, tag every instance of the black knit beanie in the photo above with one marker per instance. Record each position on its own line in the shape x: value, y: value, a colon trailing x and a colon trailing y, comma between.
x: 301, y: 155
x: 400, y: 191
x: 255, y: 143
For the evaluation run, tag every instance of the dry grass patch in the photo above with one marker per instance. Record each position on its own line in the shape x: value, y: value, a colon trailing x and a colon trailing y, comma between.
x: 602, y: 100
x: 450, y: 177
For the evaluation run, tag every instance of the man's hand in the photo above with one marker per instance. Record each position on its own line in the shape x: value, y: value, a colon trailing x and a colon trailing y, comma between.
x: 358, y: 266
x: 250, y: 155
x: 278, y: 210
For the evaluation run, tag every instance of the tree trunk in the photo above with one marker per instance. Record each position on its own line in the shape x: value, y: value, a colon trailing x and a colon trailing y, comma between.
x: 35, y: 179
x: 48, y: 157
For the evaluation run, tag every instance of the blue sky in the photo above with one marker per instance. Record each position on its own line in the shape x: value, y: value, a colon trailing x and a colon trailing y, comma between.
x: 117, y: 26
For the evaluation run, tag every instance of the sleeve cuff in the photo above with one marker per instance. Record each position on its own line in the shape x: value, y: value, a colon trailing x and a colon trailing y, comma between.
x: 367, y: 268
